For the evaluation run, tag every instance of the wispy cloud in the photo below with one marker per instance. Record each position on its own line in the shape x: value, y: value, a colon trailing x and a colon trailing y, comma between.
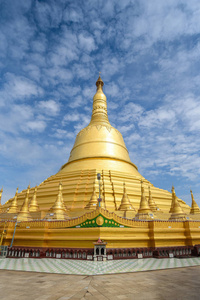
x: 149, y: 56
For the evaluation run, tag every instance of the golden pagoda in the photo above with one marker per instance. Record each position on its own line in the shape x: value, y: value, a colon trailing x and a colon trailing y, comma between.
x: 98, y: 148
x: 125, y: 203
x: 124, y: 222
x: 194, y: 207
x: 176, y: 210
x: 144, y: 211
x: 151, y: 202
x: 58, y: 210
x: 33, y: 206
x: 14, y: 208
x: 173, y: 199
x: 93, y: 203
x: 24, y: 214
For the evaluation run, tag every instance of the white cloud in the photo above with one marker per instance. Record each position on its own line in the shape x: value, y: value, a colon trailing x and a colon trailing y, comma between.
x: 73, y: 117
x: 63, y: 134
x: 73, y: 14
x: 131, y: 112
x: 48, y: 15
x: 50, y: 107
x: 158, y: 117
x: 77, y: 102
x: 36, y: 125
x: 79, y: 120
x: 18, y: 88
x: 86, y: 42
x: 166, y: 136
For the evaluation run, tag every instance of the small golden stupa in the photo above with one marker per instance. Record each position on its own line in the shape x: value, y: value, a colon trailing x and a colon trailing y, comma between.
x: 144, y: 211
x: 13, y: 209
x: 67, y: 212
x: 58, y: 211
x: 194, y: 207
x: 125, y: 203
x: 24, y: 214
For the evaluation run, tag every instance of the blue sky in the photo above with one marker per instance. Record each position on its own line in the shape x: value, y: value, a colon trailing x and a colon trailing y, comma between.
x: 148, y: 53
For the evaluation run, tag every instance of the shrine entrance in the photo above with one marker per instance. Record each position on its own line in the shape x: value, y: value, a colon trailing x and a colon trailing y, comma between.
x: 100, y: 250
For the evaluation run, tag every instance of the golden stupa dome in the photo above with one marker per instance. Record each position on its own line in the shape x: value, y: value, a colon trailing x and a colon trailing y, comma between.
x: 99, y: 145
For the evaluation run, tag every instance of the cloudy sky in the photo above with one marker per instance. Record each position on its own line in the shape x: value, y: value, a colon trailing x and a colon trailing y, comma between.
x: 148, y: 53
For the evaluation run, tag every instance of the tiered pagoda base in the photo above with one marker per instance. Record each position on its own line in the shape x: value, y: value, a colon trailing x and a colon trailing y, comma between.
x: 125, y: 238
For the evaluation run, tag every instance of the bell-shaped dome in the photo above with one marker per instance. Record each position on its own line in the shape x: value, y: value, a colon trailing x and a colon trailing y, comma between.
x: 99, y: 145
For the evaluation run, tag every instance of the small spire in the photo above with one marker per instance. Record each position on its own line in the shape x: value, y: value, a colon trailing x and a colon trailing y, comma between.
x: 34, y: 204
x: 176, y: 210
x: 173, y: 199
x: 194, y: 207
x: 58, y: 210
x: 144, y: 207
x: 125, y: 202
x: 152, y: 204
x: 13, y: 209
x: 61, y: 187
x: 144, y: 211
x: 93, y: 203
x: 24, y: 214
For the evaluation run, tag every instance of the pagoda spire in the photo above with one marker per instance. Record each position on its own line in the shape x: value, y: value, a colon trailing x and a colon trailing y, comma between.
x: 58, y: 210
x: 177, y: 212
x: 13, y: 209
x: 144, y: 211
x: 33, y: 207
x: 99, y: 112
x: 24, y: 214
x: 1, y: 191
x: 194, y: 207
x: 93, y: 203
x: 152, y: 204
x: 173, y: 199
x: 125, y: 202
x: 144, y: 206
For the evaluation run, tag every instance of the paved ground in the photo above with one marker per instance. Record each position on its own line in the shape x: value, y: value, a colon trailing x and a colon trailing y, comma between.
x: 173, y: 284
x: 84, y: 267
